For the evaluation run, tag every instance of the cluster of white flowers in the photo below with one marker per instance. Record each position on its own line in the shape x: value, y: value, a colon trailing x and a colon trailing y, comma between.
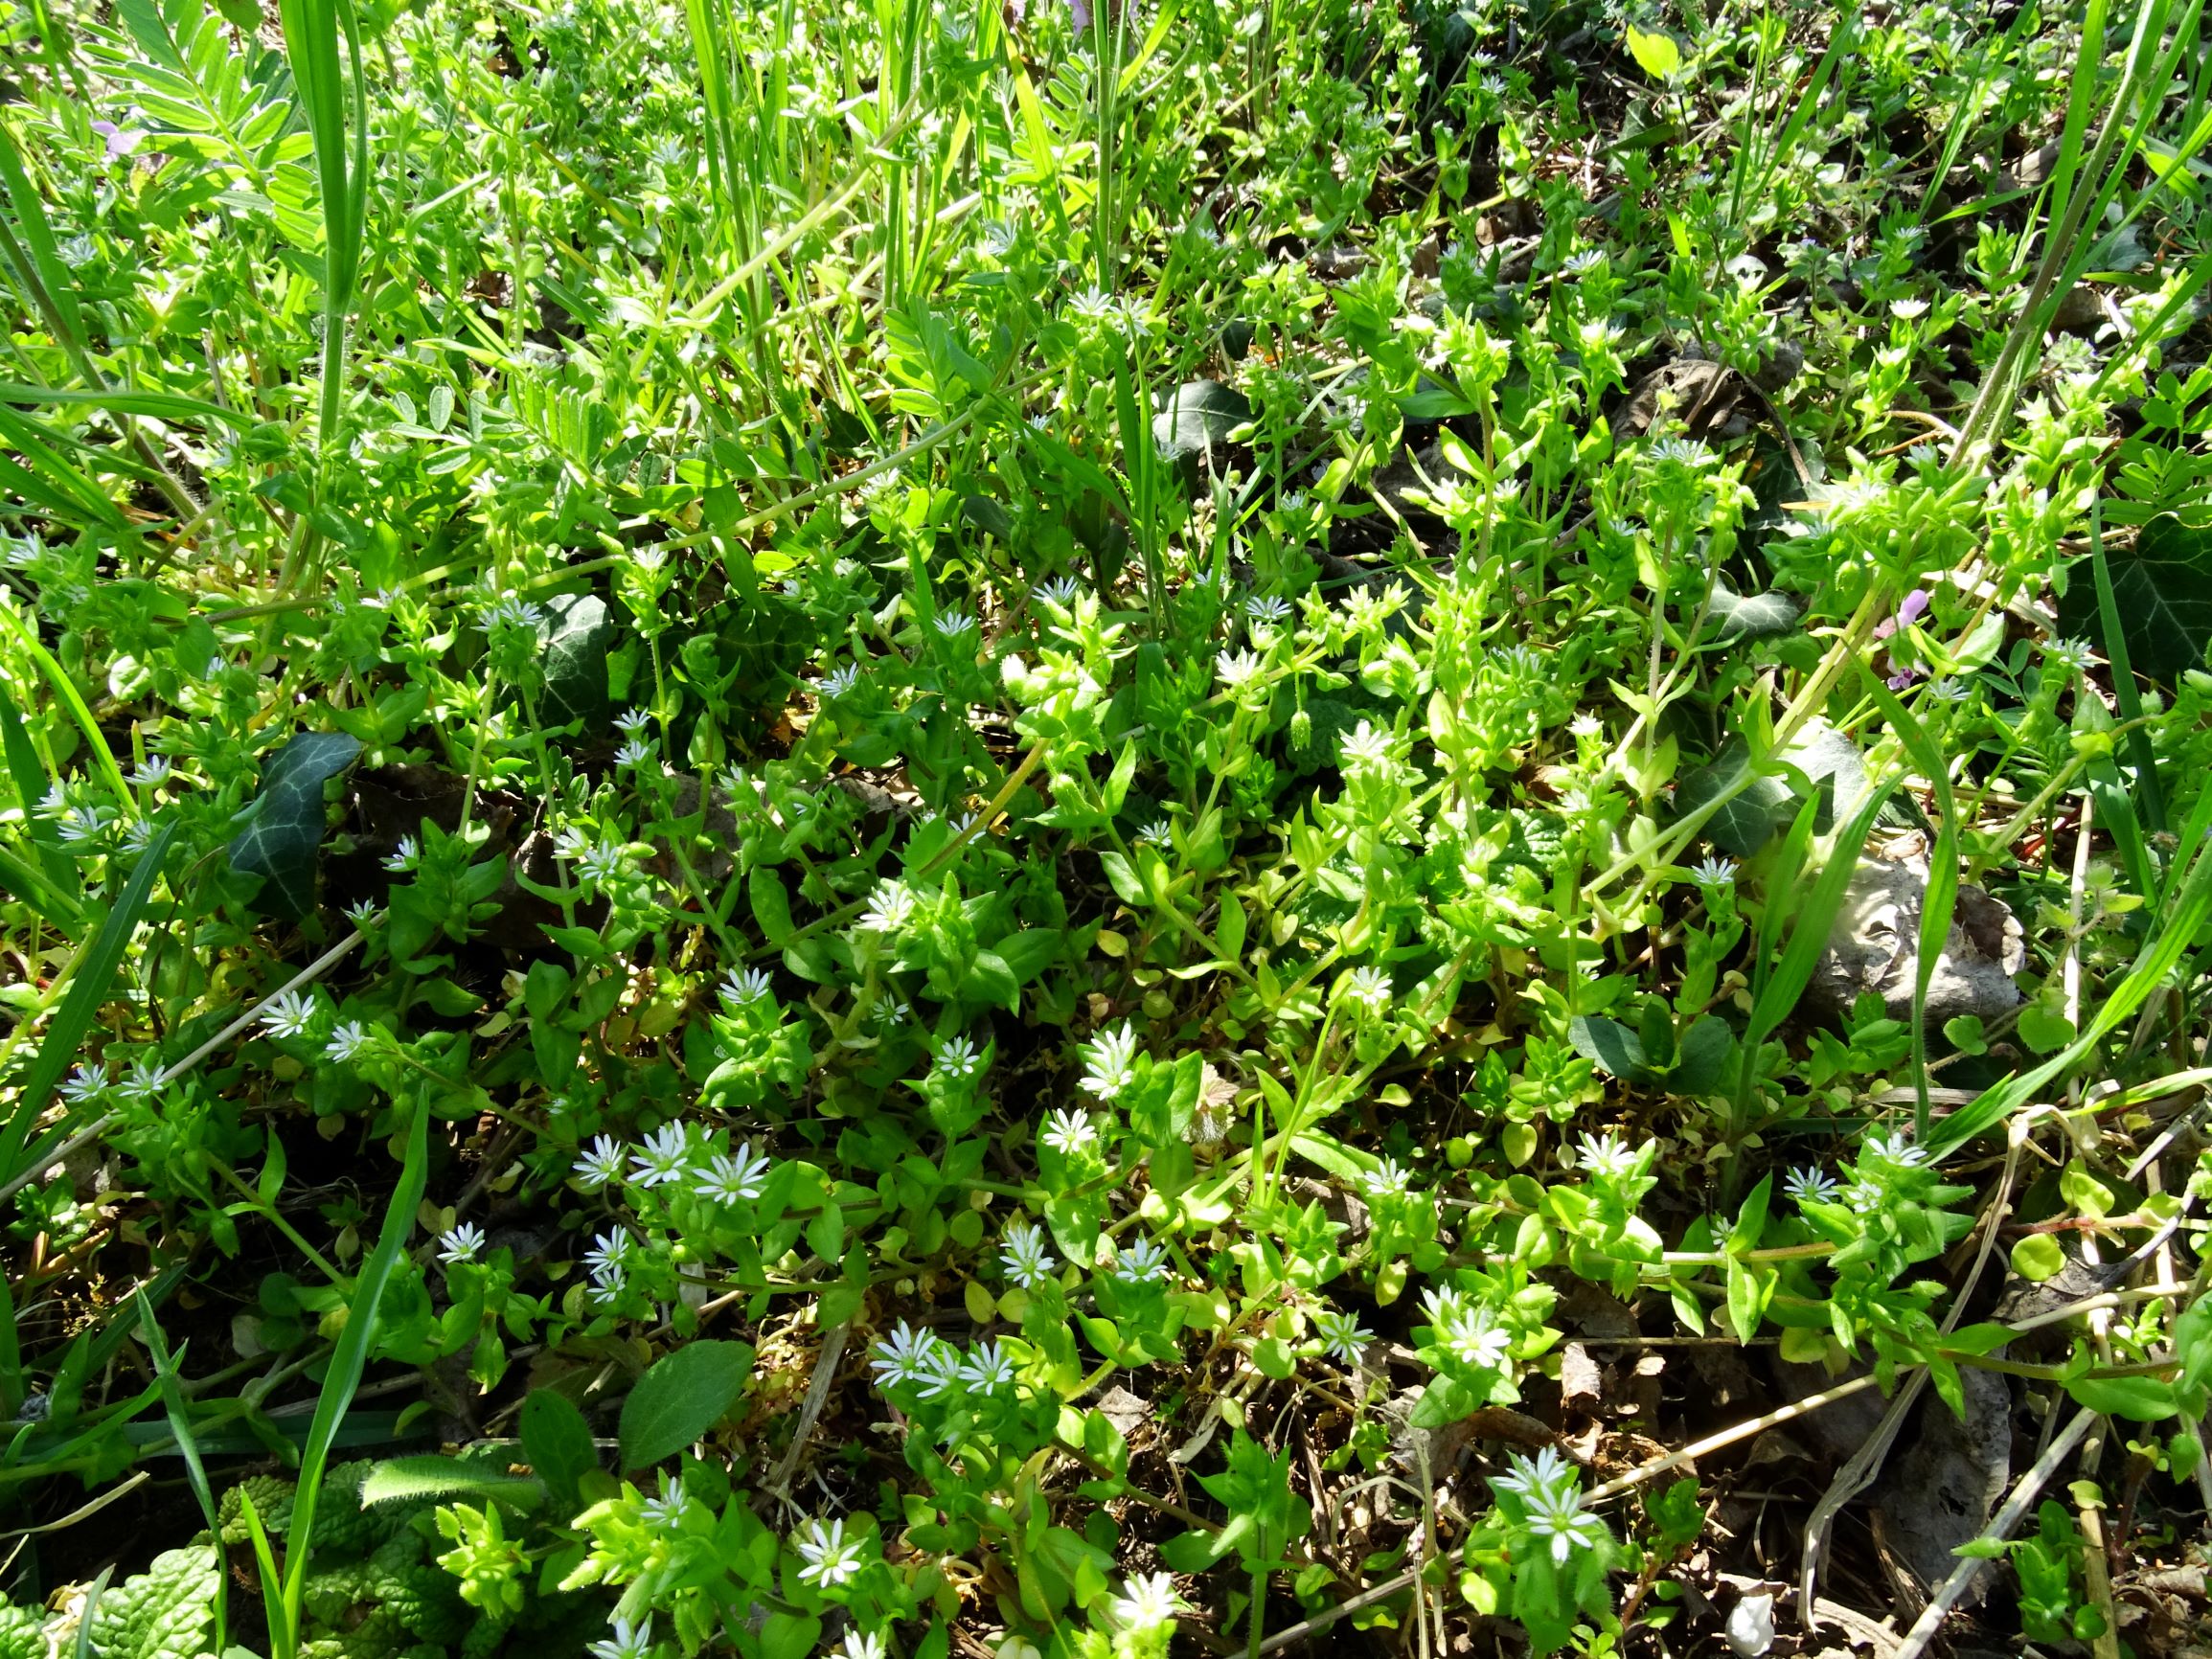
x: 938, y: 1367
x: 669, y: 1154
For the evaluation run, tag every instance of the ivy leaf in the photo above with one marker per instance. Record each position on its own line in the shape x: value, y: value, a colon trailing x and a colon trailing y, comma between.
x: 1198, y: 420
x: 286, y: 833
x: 580, y: 636
x: 682, y: 1395
x: 1756, y: 616
x: 2162, y: 588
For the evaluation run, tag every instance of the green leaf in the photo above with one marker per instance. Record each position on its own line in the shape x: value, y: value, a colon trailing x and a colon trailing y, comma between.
x: 771, y: 904
x: 1124, y: 880
x: 2162, y: 590
x: 558, y: 1442
x: 2037, y: 1257
x: 683, y: 1394
x: 1739, y: 617
x: 1610, y: 1046
x: 1197, y: 419
x: 580, y: 636
x: 2141, y: 1399
x: 1746, y: 820
x: 405, y: 1480
x: 1707, y: 1047
x: 1656, y: 55
x: 281, y: 844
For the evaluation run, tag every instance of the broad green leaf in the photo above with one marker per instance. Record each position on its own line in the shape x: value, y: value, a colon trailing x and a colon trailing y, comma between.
x: 1757, y: 616
x: 2162, y: 590
x: 1197, y: 419
x: 2141, y: 1399
x: 579, y: 634
x: 1656, y: 55
x: 281, y: 844
x: 684, y: 1394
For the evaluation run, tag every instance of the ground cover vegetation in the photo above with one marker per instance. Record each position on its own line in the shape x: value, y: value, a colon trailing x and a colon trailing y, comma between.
x: 1063, y: 831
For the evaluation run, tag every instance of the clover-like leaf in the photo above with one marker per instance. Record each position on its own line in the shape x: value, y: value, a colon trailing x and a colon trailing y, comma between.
x: 286, y: 833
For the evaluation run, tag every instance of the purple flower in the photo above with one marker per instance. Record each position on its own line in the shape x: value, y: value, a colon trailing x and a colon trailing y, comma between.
x: 120, y: 142
x: 1914, y: 607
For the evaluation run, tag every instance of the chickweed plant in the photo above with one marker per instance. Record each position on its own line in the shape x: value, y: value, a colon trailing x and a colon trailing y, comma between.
x: 1085, y: 828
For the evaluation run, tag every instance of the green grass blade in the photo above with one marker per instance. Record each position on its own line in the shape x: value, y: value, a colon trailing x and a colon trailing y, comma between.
x: 65, y: 689
x: 95, y: 973
x: 352, y: 1357
x: 44, y: 275
x: 29, y: 774
x: 187, y: 1447
x: 1941, y: 898
x: 170, y: 406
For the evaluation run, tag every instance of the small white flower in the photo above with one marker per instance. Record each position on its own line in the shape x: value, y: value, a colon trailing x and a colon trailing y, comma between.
x: 1547, y: 1472
x: 1946, y: 690
x: 666, y: 1513
x: 461, y: 1243
x: 153, y: 774
x: 1809, y: 1184
x: 989, y: 1370
x: 1022, y: 1251
x: 1266, y: 610
x: 952, y: 623
x: 288, y: 1013
x: 744, y: 986
x: 80, y: 824
x: 1369, y: 987
x: 737, y: 1177
x: 406, y: 856
x: 889, y: 908
x: 888, y: 1012
x: 1110, y: 1062
x: 629, y: 1642
x: 1160, y: 833
x: 1363, y: 746
x: 958, y: 1058
x: 1685, y: 451
x: 1605, y: 1155
x: 840, y: 680
x: 1893, y: 1149
x: 362, y: 912
x: 1556, y: 1512
x: 1237, y: 669
x: 608, y: 1256
x: 906, y: 1355
x: 602, y: 1161
x: 1140, y: 1262
x: 1477, y: 1342
x: 346, y: 1041
x: 632, y: 722
x: 1146, y: 1601
x: 862, y: 1644
x: 87, y: 1082
x: 604, y: 863
x: 942, y: 1373
x: 829, y: 1560
x: 1341, y: 1337
x: 1062, y: 591
x: 665, y: 1156
x: 1069, y: 1131
x: 634, y: 752
x: 1390, y: 1180
x: 1711, y: 872
x: 511, y: 612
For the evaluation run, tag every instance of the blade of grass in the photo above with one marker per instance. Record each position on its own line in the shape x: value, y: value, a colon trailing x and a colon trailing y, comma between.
x: 95, y: 973
x: 2185, y: 907
x: 65, y: 689
x: 165, y: 1371
x: 1940, y: 900
x: 348, y: 1362
x: 29, y: 774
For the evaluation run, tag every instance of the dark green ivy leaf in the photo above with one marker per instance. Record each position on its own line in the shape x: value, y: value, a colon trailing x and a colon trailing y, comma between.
x: 2162, y: 589
x: 1754, y: 616
x: 286, y: 833
x: 1198, y: 420
x: 1610, y: 1046
x: 579, y: 634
